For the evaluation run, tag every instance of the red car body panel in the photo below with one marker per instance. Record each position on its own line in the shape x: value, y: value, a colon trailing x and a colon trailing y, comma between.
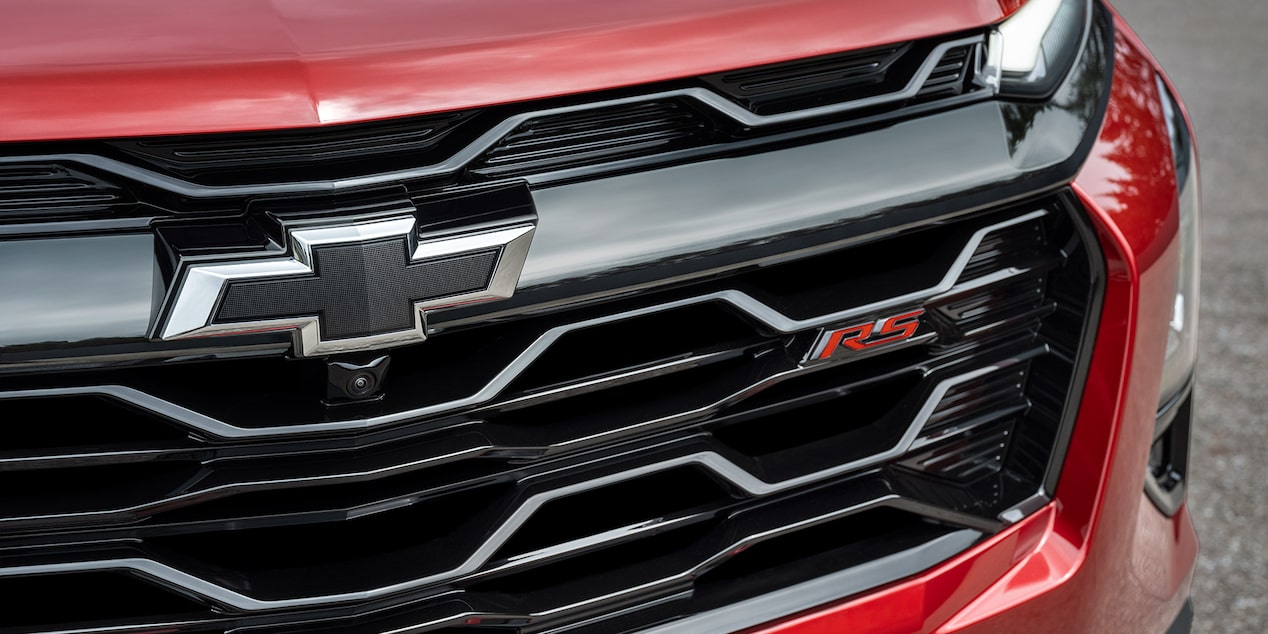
x: 1100, y: 557
x: 255, y: 64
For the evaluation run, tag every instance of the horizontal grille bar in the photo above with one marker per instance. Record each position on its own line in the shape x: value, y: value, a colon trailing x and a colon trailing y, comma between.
x: 47, y: 191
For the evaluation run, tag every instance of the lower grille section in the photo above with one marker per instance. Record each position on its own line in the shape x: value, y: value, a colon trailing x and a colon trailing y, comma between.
x: 611, y: 466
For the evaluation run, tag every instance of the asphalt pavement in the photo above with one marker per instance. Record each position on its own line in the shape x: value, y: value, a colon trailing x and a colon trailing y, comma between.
x: 1216, y: 52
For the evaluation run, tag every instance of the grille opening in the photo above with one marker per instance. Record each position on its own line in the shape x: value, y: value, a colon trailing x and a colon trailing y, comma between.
x: 326, y: 152
x: 1031, y: 450
x: 950, y: 77
x: 642, y: 500
x: 265, y: 391
x: 1068, y: 290
x: 281, y: 504
x: 980, y: 496
x: 968, y: 455
x: 607, y: 134
x: 1021, y: 303
x: 277, y: 391
x: 356, y: 553
x: 629, y: 404
x: 969, y: 312
x: 88, y: 597
x: 50, y: 191
x: 817, y: 81
x: 631, y: 343
x: 1005, y: 247
x: 92, y: 488
x: 992, y: 393
x: 812, y: 552
x: 270, y: 392
x: 603, y: 571
x: 855, y: 423
x: 859, y: 275
x: 78, y: 421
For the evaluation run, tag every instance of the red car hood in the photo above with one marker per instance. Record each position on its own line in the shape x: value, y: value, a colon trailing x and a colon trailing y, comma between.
x: 79, y: 68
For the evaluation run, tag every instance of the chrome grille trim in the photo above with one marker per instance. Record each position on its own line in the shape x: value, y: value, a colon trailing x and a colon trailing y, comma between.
x: 490, y: 138
x: 712, y: 461
x: 738, y: 300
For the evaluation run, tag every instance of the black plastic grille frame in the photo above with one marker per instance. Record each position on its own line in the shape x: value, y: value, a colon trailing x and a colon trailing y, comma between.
x: 589, y: 137
x: 556, y: 139
x: 806, y: 83
x: 288, y: 155
x: 529, y: 474
x: 50, y: 191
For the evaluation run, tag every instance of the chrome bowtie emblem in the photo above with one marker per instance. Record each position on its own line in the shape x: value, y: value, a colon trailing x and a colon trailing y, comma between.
x: 348, y: 287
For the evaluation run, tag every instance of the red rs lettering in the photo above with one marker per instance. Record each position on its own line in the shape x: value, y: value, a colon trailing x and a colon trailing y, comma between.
x: 889, y: 330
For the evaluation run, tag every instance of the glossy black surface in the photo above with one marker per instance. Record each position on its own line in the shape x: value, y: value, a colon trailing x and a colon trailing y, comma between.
x: 55, y: 291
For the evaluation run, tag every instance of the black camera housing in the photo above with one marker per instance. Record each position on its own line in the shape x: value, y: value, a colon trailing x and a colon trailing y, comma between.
x: 354, y: 380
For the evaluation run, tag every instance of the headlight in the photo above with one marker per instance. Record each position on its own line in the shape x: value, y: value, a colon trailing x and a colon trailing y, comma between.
x: 1182, y: 346
x: 1031, y: 52
x: 1168, y: 466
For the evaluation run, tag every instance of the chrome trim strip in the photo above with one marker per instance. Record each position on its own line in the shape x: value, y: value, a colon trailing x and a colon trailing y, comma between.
x: 738, y: 300
x: 491, y: 137
x: 714, y: 462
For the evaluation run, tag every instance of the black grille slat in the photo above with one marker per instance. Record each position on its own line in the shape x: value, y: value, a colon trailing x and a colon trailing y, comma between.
x: 277, y: 155
x: 1004, y: 248
x: 855, y: 66
x: 826, y: 80
x: 48, y: 191
x: 995, y: 392
x: 973, y: 454
x: 566, y: 140
x: 950, y: 76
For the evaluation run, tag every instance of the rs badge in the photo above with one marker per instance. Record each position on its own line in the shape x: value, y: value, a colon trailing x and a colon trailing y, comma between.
x: 886, y: 331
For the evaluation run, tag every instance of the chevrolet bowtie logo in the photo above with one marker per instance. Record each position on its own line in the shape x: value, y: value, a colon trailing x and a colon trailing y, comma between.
x: 349, y: 287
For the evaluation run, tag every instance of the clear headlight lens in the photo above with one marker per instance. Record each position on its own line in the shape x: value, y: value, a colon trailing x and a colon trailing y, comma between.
x: 1030, y: 52
x: 1182, y: 345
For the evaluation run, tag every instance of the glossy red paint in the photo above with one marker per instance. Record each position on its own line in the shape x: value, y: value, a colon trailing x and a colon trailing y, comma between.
x: 157, y: 67
x: 1099, y: 557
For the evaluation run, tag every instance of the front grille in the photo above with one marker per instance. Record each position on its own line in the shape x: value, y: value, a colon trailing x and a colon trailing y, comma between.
x: 588, y: 137
x: 42, y: 192
x: 603, y: 466
x: 549, y: 140
x: 290, y: 155
x: 952, y: 74
x: 806, y: 83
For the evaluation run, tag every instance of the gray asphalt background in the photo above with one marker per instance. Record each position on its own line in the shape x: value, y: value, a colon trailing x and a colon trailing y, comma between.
x: 1216, y: 52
